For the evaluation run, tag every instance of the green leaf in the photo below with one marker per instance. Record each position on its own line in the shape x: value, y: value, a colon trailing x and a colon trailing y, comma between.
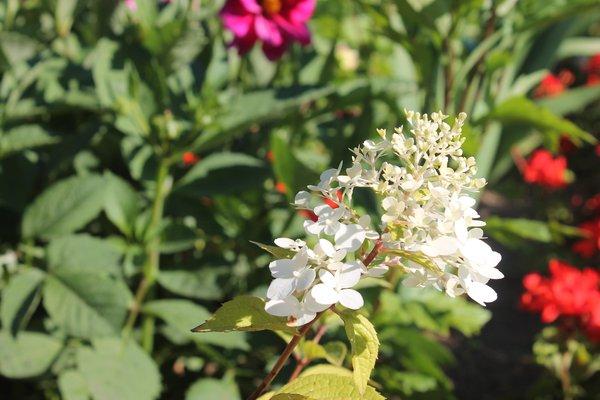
x: 200, y: 284
x: 327, y: 370
x: 83, y: 253
x: 25, y: 137
x: 207, y: 177
x: 113, y: 369
x: 290, y: 397
x: 328, y: 387
x: 209, y: 388
x: 72, y: 386
x: 571, y: 100
x: 508, y: 228
x: 182, y: 315
x: 29, y: 354
x: 277, y: 252
x: 365, y: 346
x: 244, y: 313
x: 257, y: 107
x: 121, y: 203
x: 64, y: 207
x: 15, y: 47
x: 19, y: 299
x: 519, y: 110
x: 176, y: 237
x: 86, y: 305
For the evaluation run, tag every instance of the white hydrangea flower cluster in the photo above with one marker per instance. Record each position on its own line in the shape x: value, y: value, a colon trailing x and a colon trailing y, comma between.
x: 428, y: 226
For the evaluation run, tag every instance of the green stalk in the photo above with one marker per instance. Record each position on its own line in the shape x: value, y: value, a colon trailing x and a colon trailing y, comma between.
x: 152, y: 265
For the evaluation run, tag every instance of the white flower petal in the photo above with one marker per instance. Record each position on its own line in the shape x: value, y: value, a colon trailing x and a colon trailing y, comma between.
x: 445, y: 245
x: 285, y: 243
x: 283, y: 268
x: 327, y: 278
x: 302, y: 198
x: 350, y: 298
x: 481, y: 293
x: 303, y: 317
x: 280, y: 288
x: 283, y: 307
x: 491, y: 273
x: 349, y: 237
x: 327, y: 247
x: 310, y: 304
x: 305, y: 279
x: 349, y: 275
x: 324, y: 295
x: 377, y: 271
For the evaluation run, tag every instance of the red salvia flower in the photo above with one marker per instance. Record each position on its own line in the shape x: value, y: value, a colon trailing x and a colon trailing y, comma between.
x: 551, y: 85
x: 568, y: 293
x: 545, y: 170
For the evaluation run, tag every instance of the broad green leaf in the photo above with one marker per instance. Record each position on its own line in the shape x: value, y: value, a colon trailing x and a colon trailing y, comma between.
x: 209, y: 388
x: 326, y: 369
x: 113, y: 369
x: 277, y: 252
x: 19, y: 299
x: 365, y: 346
x: 222, y: 173
x: 519, y: 110
x: 25, y: 137
x: 86, y: 305
x: 202, y: 283
x: 72, y: 386
x: 176, y: 237
x: 243, y: 313
x: 182, y: 315
x: 312, y: 350
x: 121, y: 203
x: 430, y: 310
x: 257, y: 107
x: 83, y: 253
x: 285, y: 396
x: 64, y: 207
x: 328, y: 387
x: 29, y: 354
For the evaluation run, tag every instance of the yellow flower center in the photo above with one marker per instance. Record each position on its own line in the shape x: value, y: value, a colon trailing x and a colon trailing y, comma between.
x: 271, y: 7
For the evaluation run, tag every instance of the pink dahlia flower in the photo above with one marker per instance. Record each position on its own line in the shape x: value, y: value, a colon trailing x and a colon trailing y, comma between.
x: 276, y: 23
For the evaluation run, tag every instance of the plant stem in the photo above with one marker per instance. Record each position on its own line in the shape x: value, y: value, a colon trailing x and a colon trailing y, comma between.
x: 151, y: 266
x: 289, y: 349
x: 302, y: 363
x: 283, y: 358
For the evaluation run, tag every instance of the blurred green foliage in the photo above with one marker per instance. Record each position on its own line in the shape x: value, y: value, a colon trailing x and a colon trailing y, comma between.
x: 114, y: 248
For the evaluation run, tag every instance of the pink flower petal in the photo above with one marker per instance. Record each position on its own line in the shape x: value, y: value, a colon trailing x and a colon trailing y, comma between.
x: 301, y: 11
x: 267, y: 31
x: 298, y: 32
x: 250, y: 5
